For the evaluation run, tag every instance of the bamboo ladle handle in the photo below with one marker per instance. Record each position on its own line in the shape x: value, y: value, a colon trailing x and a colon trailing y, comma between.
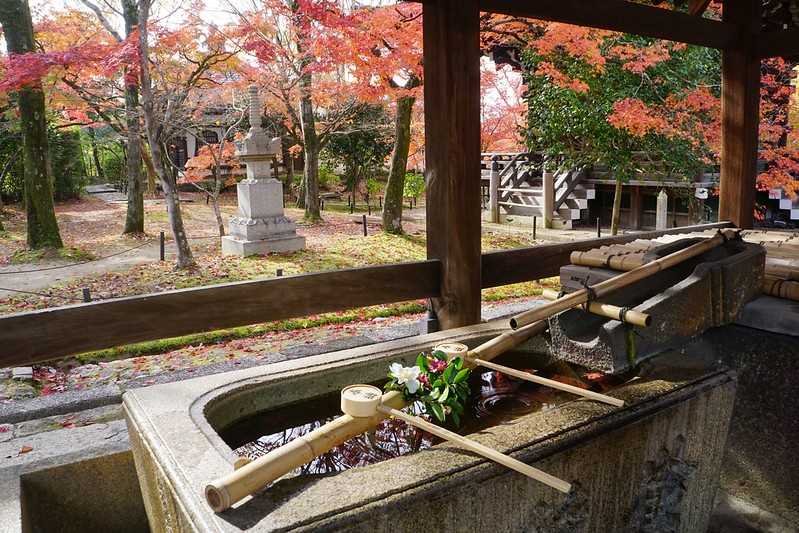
x: 476, y: 447
x: 456, y: 349
x: 551, y: 383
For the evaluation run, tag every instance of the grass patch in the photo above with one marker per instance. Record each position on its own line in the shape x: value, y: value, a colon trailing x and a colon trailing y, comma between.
x: 34, y: 256
x: 215, y: 337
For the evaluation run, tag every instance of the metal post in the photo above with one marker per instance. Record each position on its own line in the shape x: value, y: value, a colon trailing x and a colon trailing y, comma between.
x: 323, y: 204
x: 380, y: 199
x: 161, y: 239
x: 352, y: 207
x: 535, y: 224
x: 365, y: 229
x: 598, y: 228
x: 369, y: 208
x: 87, y: 295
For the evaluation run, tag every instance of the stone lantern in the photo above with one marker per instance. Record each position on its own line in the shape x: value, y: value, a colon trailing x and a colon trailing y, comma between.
x: 260, y: 226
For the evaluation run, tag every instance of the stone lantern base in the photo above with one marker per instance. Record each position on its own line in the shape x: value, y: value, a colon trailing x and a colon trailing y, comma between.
x: 261, y: 226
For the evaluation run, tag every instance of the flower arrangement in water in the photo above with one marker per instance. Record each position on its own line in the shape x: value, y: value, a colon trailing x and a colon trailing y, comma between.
x: 441, y: 387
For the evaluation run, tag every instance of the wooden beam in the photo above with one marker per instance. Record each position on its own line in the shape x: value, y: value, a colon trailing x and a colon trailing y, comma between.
x: 49, y: 334
x: 544, y: 261
x: 740, y: 103
x: 783, y: 43
x: 697, y: 7
x: 452, y: 154
x: 622, y: 16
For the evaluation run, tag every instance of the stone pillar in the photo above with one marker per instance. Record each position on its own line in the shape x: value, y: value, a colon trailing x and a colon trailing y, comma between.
x: 548, y: 193
x: 493, y: 191
x: 662, y: 212
x: 260, y: 226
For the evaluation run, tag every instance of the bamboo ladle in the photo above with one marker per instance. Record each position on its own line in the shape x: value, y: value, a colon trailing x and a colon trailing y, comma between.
x: 454, y: 349
x: 611, y: 285
x: 366, y: 401
x: 249, y: 477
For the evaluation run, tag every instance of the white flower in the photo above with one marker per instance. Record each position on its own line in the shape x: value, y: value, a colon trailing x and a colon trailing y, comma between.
x: 407, y: 375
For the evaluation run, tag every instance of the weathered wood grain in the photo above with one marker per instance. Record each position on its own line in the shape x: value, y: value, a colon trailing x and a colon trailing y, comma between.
x: 53, y: 333
x: 622, y: 16
x: 452, y: 153
x: 537, y: 262
x: 740, y: 104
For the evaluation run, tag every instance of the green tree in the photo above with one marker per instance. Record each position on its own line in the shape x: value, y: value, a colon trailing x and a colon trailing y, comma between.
x: 15, y: 17
x: 621, y: 102
x: 361, y: 146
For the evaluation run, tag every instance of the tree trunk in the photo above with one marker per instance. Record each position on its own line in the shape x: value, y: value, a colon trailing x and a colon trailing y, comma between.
x: 15, y: 17
x: 614, y: 223
x: 134, y: 219
x: 215, y: 197
x: 392, y: 203
x: 185, y: 258
x: 312, y: 149
x: 149, y: 167
x: 95, y: 154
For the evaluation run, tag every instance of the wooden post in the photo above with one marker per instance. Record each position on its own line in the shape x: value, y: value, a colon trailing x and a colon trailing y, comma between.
x: 452, y: 152
x: 493, y: 191
x: 548, y: 193
x: 635, y: 207
x: 740, y: 102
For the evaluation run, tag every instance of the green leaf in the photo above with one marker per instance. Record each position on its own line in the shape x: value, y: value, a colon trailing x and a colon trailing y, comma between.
x: 456, y: 407
x: 438, y: 411
x: 444, y: 395
x: 437, y: 383
x: 456, y: 418
x: 462, y: 375
x: 421, y: 361
x: 435, y: 394
x: 438, y: 354
x: 447, y: 374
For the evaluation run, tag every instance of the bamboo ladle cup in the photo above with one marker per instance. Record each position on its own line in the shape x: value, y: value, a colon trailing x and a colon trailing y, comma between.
x: 454, y: 349
x: 622, y: 280
x: 366, y: 401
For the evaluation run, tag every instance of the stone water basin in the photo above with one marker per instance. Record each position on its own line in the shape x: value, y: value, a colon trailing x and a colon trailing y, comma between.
x: 651, y: 464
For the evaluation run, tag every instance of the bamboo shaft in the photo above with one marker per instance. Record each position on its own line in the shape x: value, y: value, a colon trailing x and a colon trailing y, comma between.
x: 623, y: 261
x: 551, y: 383
x: 781, y: 288
x: 622, y: 280
x: 507, y: 341
x: 476, y: 447
x: 636, y: 318
x: 226, y: 491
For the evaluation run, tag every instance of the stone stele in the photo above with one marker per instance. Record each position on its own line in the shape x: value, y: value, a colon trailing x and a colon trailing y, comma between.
x: 260, y: 226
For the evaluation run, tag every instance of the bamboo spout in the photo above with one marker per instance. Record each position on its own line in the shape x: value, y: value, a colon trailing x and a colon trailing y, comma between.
x: 621, y: 314
x: 622, y: 280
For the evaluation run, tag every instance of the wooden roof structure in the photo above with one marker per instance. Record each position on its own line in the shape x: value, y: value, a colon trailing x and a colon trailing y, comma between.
x: 455, y: 270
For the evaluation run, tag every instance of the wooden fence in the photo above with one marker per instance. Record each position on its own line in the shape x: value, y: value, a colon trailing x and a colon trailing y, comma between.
x: 48, y: 334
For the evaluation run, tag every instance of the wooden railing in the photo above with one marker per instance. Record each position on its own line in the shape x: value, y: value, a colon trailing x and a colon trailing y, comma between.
x: 48, y: 334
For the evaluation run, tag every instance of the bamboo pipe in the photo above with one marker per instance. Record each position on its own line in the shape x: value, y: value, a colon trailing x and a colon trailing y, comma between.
x: 622, y: 280
x: 508, y: 340
x: 781, y: 288
x: 227, y: 490
x: 614, y: 312
x: 476, y: 447
x: 453, y: 350
x: 628, y: 261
